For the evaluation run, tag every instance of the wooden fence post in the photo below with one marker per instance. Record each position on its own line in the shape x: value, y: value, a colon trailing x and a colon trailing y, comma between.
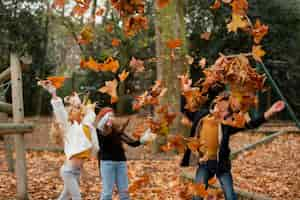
x: 18, y: 117
x: 8, y: 145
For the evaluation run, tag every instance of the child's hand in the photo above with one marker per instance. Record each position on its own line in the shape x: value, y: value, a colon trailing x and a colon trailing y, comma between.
x: 278, y: 106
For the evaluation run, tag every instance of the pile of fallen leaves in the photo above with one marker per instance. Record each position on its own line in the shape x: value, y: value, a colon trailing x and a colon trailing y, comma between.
x: 271, y: 170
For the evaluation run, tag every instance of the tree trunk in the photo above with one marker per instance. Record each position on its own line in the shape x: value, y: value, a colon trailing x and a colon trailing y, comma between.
x: 169, y: 24
x: 18, y: 117
x: 43, y: 61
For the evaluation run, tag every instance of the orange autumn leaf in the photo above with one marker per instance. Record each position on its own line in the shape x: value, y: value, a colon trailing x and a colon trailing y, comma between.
x: 58, y: 3
x: 174, y: 43
x: 139, y: 183
x: 110, y: 88
x: 115, y: 42
x: 258, y: 52
x: 109, y: 28
x: 91, y: 64
x: 205, y: 35
x: 239, y: 7
x: 237, y: 22
x: 80, y: 9
x: 216, y: 5
x: 199, y: 190
x: 123, y: 75
x: 86, y: 35
x: 162, y: 3
x: 100, y: 11
x: 110, y: 65
x: 57, y: 81
x: 259, y: 31
x: 212, y: 181
x: 194, y: 145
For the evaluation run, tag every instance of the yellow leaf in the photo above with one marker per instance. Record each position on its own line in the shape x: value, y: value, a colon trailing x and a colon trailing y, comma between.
x: 258, y: 52
x: 123, y: 75
x: 110, y: 88
x: 236, y: 23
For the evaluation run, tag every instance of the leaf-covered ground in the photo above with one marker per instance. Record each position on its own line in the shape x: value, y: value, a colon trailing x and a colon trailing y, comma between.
x: 272, y: 169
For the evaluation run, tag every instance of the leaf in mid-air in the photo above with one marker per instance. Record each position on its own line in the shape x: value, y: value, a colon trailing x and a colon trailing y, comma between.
x: 123, y: 76
x: 57, y: 81
x: 258, y: 52
x: 237, y: 22
x: 110, y: 88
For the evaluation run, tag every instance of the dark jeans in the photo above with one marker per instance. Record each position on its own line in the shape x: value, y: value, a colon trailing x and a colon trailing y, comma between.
x: 225, y: 178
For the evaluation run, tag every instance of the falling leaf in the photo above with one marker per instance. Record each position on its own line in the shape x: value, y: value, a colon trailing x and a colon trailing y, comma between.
x: 86, y: 35
x: 100, y: 11
x: 111, y: 89
x: 202, y: 63
x: 109, y: 28
x: 57, y: 81
x: 174, y: 43
x: 58, y: 3
x: 115, y: 42
x: 90, y: 64
x: 205, y: 35
x: 110, y: 65
x: 216, y: 5
x: 239, y: 7
x: 259, y: 31
x: 81, y: 7
x: 137, y: 65
x: 237, y: 22
x: 199, y: 190
x: 162, y: 3
x: 258, y: 53
x: 134, y: 24
x: 123, y: 75
x: 194, y: 145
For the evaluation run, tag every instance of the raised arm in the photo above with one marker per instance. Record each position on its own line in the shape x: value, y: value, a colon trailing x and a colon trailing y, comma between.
x: 59, y: 111
x: 128, y: 140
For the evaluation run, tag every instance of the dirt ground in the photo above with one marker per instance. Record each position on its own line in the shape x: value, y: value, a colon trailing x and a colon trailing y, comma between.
x: 272, y: 169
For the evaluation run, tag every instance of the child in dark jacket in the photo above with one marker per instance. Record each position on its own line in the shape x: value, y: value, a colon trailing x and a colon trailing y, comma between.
x: 216, y: 160
x: 113, y: 168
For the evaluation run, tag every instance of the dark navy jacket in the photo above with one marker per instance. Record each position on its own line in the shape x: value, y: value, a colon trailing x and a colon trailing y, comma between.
x: 224, y: 163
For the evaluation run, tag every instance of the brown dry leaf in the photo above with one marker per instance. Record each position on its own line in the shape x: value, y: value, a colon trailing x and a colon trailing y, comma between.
x: 110, y: 65
x: 109, y: 28
x: 199, y: 190
x: 111, y: 89
x: 58, y: 3
x: 86, y: 35
x: 205, y: 35
x: 239, y: 7
x: 216, y: 5
x: 115, y: 42
x: 123, y: 76
x: 139, y: 183
x: 237, y: 22
x: 162, y: 3
x: 259, y: 31
x: 174, y: 43
x: 258, y: 52
x: 194, y: 144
